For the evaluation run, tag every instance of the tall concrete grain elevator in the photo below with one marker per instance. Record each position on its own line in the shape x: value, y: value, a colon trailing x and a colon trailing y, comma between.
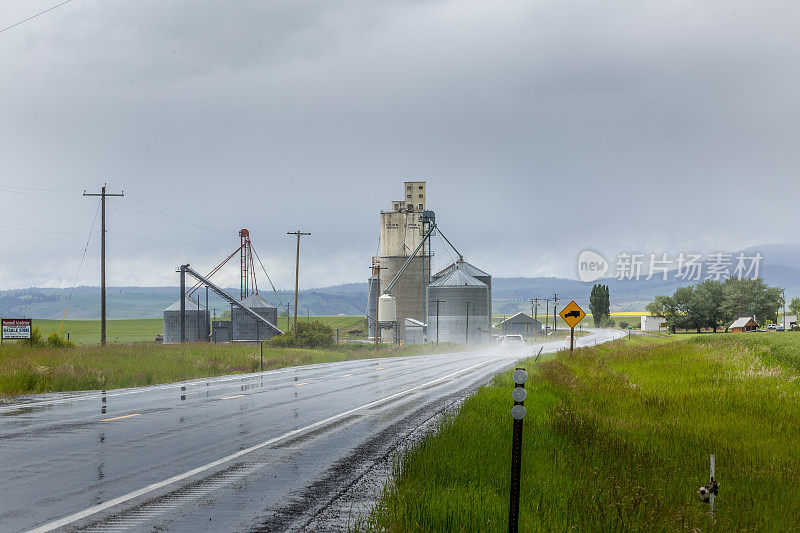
x: 401, y: 231
x: 402, y: 286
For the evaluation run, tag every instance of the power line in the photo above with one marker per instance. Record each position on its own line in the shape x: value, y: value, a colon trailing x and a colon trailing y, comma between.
x: 173, y: 217
x: 34, y: 16
x: 172, y: 243
x: 60, y: 189
x: 75, y: 283
x: 22, y: 192
x: 41, y: 230
x: 268, y: 278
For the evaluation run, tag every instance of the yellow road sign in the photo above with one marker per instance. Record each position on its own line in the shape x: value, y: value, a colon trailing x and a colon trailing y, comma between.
x: 572, y: 314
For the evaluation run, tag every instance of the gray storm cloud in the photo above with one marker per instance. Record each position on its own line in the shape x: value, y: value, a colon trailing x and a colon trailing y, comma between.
x: 543, y: 128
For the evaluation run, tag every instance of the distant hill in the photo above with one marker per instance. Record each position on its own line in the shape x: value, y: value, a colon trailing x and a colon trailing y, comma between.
x: 781, y: 267
x: 149, y: 302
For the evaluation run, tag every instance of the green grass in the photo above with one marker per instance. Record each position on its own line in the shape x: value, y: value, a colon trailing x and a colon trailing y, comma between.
x: 25, y: 369
x: 146, y: 329
x: 617, y: 438
x: 117, y: 331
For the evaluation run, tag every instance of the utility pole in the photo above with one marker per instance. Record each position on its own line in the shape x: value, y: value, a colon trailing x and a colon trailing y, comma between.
x: 784, y: 309
x: 437, y: 319
x: 466, y: 333
x: 535, y: 312
x: 103, y: 194
x: 546, y: 314
x: 296, y: 274
x: 555, y: 312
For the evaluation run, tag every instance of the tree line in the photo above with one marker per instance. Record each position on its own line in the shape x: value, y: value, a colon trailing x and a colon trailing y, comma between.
x: 716, y: 304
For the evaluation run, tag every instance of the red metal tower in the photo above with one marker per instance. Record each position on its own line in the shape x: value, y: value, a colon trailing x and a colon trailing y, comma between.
x: 248, y: 284
x: 247, y: 278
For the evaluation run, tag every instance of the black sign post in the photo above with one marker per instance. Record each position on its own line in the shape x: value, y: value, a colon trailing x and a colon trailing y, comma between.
x: 571, y: 339
x: 517, y: 413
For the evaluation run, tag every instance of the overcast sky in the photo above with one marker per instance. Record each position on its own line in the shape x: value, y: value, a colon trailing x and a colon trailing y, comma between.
x: 542, y: 128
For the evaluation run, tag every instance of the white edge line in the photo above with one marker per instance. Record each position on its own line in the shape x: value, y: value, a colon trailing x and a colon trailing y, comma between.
x: 50, y: 526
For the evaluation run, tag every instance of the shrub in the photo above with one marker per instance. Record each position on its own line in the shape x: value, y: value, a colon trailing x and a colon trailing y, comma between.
x: 314, y: 334
x: 283, y: 341
x: 36, y: 337
x: 309, y: 335
x: 623, y: 324
x: 610, y: 323
x: 54, y: 340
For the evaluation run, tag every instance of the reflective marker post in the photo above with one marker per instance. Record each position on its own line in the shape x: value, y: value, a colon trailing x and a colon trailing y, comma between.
x: 517, y: 413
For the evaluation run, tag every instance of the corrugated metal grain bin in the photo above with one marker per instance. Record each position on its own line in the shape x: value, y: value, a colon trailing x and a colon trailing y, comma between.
x: 246, y: 328
x: 454, y: 289
x: 470, y: 270
x: 196, y: 325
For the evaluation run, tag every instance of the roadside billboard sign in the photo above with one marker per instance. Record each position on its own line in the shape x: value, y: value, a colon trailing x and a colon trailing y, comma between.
x: 16, y: 328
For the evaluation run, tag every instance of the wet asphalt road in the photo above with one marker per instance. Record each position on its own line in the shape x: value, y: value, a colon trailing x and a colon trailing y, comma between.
x: 259, y: 452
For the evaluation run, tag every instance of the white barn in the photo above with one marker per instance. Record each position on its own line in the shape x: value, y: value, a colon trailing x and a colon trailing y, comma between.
x: 653, y: 323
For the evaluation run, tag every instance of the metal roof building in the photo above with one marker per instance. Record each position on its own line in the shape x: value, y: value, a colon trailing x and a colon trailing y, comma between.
x: 745, y: 323
x: 414, y: 331
x: 520, y: 324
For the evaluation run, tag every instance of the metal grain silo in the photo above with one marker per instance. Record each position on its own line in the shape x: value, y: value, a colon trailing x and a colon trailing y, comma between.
x: 470, y: 270
x: 456, y: 290
x: 196, y: 325
x: 246, y: 328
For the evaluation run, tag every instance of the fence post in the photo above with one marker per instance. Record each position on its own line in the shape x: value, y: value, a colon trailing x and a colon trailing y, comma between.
x: 517, y: 413
x: 713, y: 481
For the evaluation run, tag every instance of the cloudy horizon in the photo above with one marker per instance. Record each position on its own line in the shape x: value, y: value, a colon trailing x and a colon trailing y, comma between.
x: 542, y: 128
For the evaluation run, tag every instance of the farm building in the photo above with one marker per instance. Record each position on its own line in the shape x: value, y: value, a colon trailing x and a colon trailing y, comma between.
x: 221, y: 331
x: 789, y: 321
x: 414, y: 331
x: 653, y: 323
x: 520, y: 324
x: 746, y: 323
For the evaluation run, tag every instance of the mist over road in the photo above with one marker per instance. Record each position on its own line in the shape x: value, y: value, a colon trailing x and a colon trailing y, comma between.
x: 264, y: 451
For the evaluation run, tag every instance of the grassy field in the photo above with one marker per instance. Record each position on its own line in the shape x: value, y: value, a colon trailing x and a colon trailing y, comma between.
x: 146, y: 329
x: 617, y: 438
x: 26, y: 369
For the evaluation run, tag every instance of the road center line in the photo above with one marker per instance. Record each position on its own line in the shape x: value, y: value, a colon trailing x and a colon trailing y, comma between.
x: 347, y: 375
x: 50, y: 526
x: 231, y: 397
x: 301, y: 384
x: 120, y: 417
